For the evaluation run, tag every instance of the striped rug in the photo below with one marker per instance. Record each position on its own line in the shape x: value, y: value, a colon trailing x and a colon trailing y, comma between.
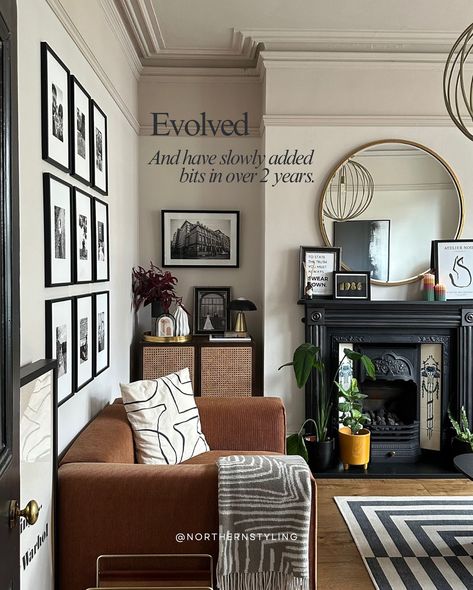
x: 413, y: 543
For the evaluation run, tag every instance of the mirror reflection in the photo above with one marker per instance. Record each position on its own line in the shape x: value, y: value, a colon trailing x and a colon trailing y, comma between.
x: 385, y: 204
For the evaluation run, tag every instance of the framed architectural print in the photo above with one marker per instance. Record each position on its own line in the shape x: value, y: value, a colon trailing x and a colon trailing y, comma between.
x: 101, y: 245
x: 80, y: 129
x: 211, y: 312
x: 99, y: 149
x: 352, y: 285
x: 54, y: 108
x: 83, y: 341
x: 59, y: 344
x: 82, y: 232
x: 453, y: 264
x: 208, y: 239
x: 316, y: 268
x: 101, y: 332
x: 58, y: 242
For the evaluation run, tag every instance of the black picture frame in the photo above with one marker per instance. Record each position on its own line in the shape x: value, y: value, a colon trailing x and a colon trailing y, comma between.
x: 222, y: 319
x: 324, y: 288
x: 58, y: 311
x: 98, y: 158
x: 101, y: 241
x: 58, y: 236
x: 55, y: 109
x: 456, y: 276
x: 101, y: 304
x: 188, y: 220
x: 82, y: 232
x: 362, y: 292
x: 80, y: 144
x: 84, y: 354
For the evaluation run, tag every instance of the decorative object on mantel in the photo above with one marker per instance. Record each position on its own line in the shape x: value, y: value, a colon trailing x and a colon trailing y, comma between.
x: 241, y: 305
x: 350, y: 192
x: 352, y: 285
x: 440, y: 292
x: 428, y: 282
x: 316, y: 268
x: 453, y: 263
x: 462, y: 442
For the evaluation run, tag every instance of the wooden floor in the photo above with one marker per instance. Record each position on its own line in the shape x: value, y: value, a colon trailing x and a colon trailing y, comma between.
x: 340, y: 566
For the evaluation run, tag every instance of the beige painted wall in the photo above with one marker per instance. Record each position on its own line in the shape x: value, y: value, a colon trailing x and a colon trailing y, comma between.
x: 36, y: 23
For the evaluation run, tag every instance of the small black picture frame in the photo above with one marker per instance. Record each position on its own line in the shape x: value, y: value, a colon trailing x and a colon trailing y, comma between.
x: 101, y: 332
x: 80, y: 126
x: 59, y: 341
x: 211, y: 310
x: 98, y: 149
x: 101, y: 243
x: 452, y: 263
x: 55, y: 105
x: 83, y: 223
x: 352, y: 285
x: 58, y: 235
x: 316, y: 267
x: 83, y: 334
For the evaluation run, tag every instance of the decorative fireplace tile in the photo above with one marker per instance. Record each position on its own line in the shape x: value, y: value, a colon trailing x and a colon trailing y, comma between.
x: 345, y: 373
x: 430, y: 396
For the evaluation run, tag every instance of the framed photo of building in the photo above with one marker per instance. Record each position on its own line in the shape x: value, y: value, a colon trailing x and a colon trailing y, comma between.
x: 316, y: 268
x: 352, y: 285
x: 101, y: 332
x: 82, y: 233
x: 200, y: 238
x: 80, y: 129
x: 54, y: 109
x: 83, y: 341
x: 60, y: 344
x: 101, y: 242
x: 58, y: 241
x: 453, y: 264
x: 99, y: 149
x: 211, y: 312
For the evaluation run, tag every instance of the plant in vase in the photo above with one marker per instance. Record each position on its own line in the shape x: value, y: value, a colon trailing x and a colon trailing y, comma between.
x: 462, y: 442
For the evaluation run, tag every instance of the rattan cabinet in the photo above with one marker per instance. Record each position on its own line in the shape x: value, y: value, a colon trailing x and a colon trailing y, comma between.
x: 218, y: 369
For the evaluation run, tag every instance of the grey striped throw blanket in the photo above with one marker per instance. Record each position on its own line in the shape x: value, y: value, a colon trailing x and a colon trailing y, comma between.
x: 264, y: 516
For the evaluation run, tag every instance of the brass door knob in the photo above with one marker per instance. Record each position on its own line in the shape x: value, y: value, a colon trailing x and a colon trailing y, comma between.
x: 30, y: 513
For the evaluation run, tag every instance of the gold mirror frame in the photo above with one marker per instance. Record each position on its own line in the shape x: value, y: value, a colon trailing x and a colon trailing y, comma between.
x: 365, y: 146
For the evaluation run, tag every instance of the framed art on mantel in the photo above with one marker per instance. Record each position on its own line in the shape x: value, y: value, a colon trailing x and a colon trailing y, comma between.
x: 80, y: 129
x: 59, y: 344
x: 54, y: 109
x: 453, y: 264
x: 99, y: 149
x: 101, y: 243
x: 316, y: 268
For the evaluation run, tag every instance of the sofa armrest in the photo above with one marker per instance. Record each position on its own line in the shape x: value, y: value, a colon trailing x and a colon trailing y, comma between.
x: 243, y: 424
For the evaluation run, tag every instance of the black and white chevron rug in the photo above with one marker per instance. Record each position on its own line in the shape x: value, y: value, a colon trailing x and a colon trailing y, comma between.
x: 413, y: 543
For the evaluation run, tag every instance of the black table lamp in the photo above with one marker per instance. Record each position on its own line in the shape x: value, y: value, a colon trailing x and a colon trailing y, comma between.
x: 241, y: 305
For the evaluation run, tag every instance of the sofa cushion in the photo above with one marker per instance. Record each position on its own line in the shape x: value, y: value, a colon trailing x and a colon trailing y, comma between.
x: 164, y: 418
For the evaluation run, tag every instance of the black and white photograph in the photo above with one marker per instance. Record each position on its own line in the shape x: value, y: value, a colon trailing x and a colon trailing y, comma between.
x: 59, y: 343
x: 101, y: 331
x: 58, y: 238
x: 83, y: 341
x: 101, y: 241
x: 200, y: 238
x: 352, y: 285
x: 82, y: 222
x: 365, y: 244
x: 99, y: 149
x: 55, y: 108
x: 316, y: 267
x: 80, y: 129
x: 453, y: 264
x: 211, y: 312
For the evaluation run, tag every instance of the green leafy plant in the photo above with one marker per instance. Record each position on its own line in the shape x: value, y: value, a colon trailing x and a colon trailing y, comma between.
x: 462, y: 428
x: 351, y: 407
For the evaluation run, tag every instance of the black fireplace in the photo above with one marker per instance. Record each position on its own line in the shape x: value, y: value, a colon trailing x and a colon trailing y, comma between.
x: 423, y: 355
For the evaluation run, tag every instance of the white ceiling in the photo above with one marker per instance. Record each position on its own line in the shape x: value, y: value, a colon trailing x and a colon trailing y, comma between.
x: 228, y: 33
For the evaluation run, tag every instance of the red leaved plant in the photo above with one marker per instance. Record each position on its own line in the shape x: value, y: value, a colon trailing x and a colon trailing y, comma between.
x: 153, y: 284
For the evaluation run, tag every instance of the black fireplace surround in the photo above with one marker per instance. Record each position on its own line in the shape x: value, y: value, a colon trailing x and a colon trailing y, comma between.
x: 392, y: 333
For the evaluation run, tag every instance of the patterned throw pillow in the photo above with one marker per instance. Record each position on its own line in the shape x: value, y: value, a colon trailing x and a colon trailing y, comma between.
x: 164, y: 418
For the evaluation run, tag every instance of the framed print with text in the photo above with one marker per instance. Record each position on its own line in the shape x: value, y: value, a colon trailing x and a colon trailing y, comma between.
x: 101, y: 242
x: 54, y: 109
x: 82, y: 231
x: 316, y: 268
x: 80, y: 129
x: 453, y: 264
x: 58, y: 241
x: 83, y: 341
x: 99, y: 149
x: 60, y: 344
x: 101, y: 332
x: 352, y: 285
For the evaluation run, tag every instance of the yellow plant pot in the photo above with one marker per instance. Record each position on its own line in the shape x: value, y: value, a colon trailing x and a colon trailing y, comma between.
x: 354, y: 448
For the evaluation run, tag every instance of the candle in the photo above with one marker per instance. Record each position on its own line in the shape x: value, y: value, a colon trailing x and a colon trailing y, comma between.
x: 440, y: 292
x: 428, y: 283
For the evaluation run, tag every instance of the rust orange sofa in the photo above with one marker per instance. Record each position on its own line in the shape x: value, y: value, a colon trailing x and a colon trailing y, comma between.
x: 108, y: 504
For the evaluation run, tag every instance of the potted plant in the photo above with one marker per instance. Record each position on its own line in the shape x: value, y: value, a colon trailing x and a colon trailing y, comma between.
x: 317, y: 448
x: 462, y: 442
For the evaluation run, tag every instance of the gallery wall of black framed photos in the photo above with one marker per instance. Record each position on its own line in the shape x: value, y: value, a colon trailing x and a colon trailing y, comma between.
x: 78, y: 336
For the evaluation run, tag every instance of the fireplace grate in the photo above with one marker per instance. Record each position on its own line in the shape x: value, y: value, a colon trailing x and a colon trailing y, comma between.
x: 397, y: 444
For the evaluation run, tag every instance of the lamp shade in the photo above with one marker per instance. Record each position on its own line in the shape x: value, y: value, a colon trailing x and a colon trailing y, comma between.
x: 242, y: 304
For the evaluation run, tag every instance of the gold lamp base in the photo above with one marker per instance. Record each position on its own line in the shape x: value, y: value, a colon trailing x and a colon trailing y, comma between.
x: 240, y: 324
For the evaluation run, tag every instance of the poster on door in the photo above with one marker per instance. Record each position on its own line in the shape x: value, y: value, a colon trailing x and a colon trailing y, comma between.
x: 37, y: 464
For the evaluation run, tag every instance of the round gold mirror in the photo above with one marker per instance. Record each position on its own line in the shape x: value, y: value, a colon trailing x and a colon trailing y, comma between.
x: 385, y: 203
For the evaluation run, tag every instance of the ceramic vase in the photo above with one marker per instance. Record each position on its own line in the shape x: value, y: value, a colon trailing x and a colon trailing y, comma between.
x: 182, y: 322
